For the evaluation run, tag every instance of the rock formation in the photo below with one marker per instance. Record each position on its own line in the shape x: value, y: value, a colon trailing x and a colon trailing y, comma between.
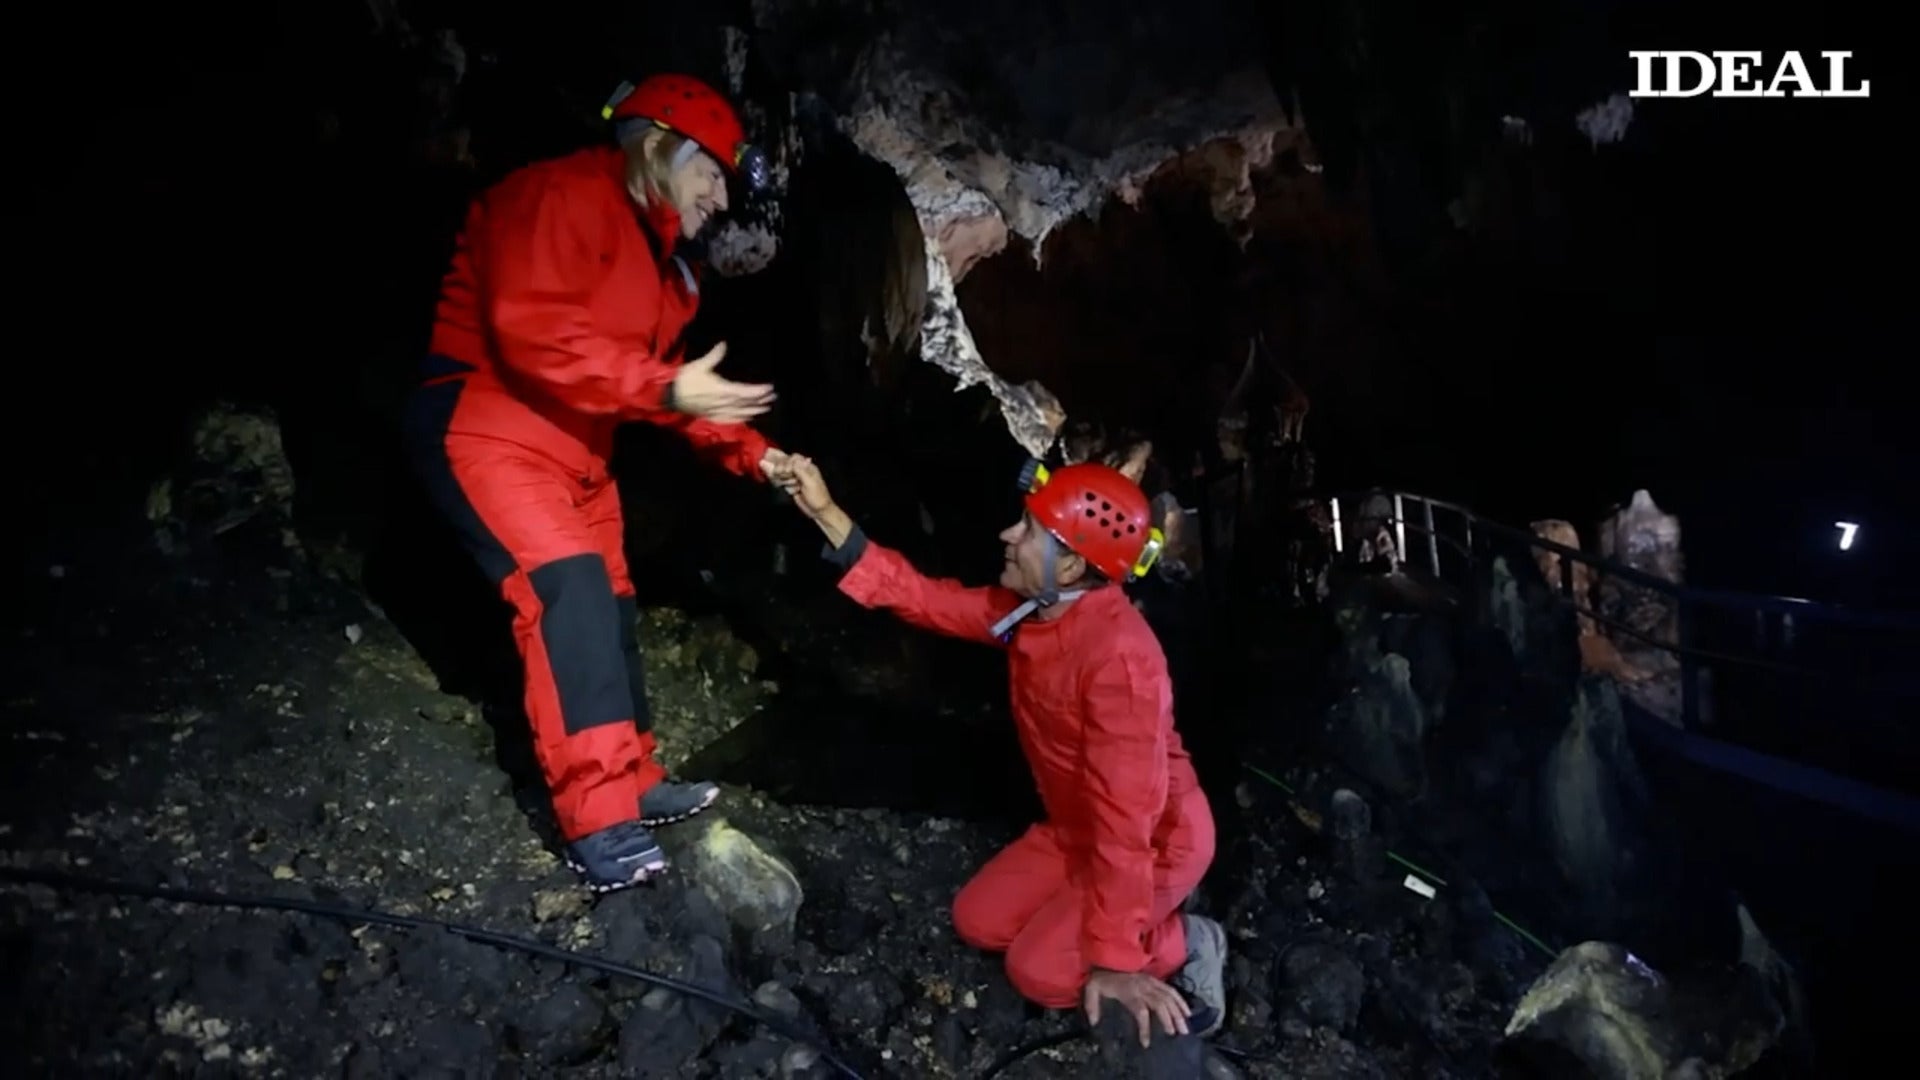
x: 1602, y: 1011
x: 1596, y: 803
x: 1641, y: 536
x: 993, y: 139
x: 1455, y: 703
x: 1642, y: 619
x: 1575, y: 579
x: 1571, y: 576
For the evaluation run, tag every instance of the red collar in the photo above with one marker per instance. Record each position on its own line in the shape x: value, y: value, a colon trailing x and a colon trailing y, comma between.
x: 658, y: 219
x: 663, y: 221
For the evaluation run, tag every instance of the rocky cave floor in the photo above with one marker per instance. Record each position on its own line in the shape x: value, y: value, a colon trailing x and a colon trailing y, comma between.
x: 218, y: 722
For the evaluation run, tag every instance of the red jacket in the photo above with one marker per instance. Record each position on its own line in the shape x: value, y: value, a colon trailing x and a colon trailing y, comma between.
x: 568, y: 310
x: 1093, y: 705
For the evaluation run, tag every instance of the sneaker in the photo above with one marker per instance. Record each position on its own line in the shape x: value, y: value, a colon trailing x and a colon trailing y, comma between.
x: 617, y: 857
x: 1203, y: 979
x: 669, y: 801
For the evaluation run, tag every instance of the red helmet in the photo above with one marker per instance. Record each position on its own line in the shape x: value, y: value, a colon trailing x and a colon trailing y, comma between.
x: 1098, y: 513
x: 684, y: 104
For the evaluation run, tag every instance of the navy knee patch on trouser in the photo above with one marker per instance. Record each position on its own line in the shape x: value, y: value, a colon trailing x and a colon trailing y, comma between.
x: 580, y: 626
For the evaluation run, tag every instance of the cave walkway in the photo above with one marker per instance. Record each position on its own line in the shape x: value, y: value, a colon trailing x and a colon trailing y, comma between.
x: 1805, y: 700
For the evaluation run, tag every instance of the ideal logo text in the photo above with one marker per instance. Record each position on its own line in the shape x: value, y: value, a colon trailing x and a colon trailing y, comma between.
x: 1742, y: 75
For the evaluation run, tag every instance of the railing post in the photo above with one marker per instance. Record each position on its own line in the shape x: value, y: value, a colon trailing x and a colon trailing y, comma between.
x: 1399, y: 529
x: 1433, y: 539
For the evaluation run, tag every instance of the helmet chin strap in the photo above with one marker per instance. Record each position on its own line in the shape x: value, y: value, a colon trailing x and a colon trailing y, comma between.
x: 1050, y: 594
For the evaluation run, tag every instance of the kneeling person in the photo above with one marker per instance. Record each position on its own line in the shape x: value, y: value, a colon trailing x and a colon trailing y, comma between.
x: 1087, y: 904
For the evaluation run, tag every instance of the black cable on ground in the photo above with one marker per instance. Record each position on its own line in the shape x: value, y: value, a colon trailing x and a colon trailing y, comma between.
x: 83, y: 883
x: 1030, y: 1047
x: 1060, y: 1038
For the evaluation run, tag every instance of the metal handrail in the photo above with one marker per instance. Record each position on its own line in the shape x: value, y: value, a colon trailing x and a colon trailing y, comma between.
x: 1435, y: 536
x: 1807, y: 781
x: 1719, y: 598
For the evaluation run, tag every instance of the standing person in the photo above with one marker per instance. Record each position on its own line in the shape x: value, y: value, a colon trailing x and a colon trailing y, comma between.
x: 560, y: 319
x: 1087, y: 905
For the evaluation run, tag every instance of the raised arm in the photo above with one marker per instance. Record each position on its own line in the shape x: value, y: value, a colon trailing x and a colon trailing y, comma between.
x: 878, y: 577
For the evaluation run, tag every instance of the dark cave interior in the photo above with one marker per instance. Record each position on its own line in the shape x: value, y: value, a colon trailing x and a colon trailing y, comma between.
x: 258, y: 208
x: 1409, y: 333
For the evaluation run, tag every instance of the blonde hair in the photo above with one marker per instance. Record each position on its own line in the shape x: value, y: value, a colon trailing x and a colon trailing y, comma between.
x: 652, y: 165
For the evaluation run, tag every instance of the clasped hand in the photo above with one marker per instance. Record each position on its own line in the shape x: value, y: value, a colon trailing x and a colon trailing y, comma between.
x: 798, y: 476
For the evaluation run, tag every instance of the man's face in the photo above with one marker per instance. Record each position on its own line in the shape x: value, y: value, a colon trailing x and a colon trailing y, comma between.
x: 699, y: 192
x: 1025, y: 570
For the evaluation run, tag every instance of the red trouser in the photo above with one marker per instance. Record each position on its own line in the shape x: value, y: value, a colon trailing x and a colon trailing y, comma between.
x: 1026, y: 902
x: 552, y: 541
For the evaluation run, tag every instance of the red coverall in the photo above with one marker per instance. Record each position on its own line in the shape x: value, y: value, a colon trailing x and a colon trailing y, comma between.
x: 1128, y: 833
x: 561, y: 318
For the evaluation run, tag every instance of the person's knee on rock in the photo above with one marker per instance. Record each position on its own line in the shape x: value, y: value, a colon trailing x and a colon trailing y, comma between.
x: 1086, y: 905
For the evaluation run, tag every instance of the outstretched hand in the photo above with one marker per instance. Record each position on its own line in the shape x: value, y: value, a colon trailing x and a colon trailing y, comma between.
x: 699, y: 390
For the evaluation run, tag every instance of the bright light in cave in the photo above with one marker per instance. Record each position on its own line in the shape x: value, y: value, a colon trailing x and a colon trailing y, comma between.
x: 1847, y: 532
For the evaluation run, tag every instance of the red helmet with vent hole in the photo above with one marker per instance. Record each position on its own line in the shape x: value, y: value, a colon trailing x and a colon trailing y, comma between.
x: 701, y: 113
x: 1098, y: 513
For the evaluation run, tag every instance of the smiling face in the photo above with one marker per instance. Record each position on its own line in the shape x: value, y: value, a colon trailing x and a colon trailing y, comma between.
x: 696, y: 187
x: 698, y: 190
x: 1024, y: 570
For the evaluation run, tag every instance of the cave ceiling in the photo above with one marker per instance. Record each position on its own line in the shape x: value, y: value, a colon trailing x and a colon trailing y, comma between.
x: 1005, y: 120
